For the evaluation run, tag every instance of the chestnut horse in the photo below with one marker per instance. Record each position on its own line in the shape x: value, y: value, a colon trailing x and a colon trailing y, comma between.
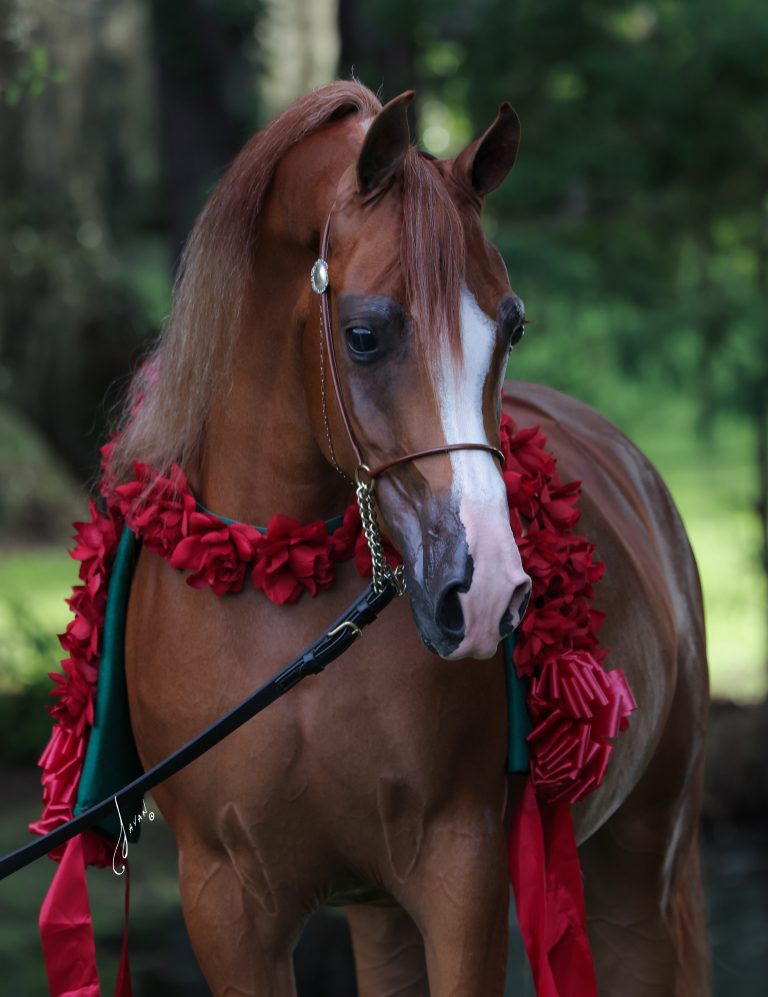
x: 381, y: 786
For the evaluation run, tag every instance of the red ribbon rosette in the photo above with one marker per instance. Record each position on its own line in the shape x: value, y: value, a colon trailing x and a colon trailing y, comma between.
x: 577, y: 708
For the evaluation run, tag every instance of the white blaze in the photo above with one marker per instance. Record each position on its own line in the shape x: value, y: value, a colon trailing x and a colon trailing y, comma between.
x: 478, y: 490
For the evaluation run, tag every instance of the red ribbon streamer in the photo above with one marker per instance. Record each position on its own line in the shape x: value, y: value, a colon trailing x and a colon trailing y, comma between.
x: 546, y: 879
x: 66, y: 931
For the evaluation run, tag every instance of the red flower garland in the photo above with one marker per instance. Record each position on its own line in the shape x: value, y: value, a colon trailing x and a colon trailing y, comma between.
x: 577, y: 708
x: 62, y: 761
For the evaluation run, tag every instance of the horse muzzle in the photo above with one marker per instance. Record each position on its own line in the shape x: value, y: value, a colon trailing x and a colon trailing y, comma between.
x: 470, y: 590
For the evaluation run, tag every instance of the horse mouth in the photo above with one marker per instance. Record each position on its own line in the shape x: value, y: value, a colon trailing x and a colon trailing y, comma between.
x: 466, y: 583
x: 442, y: 623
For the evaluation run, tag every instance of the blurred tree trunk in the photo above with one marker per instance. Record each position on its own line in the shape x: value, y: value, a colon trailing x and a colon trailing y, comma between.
x: 10, y: 124
x: 69, y: 318
x: 11, y: 171
x: 762, y: 465
x: 378, y: 44
x: 82, y: 218
x: 204, y: 82
x: 300, y: 45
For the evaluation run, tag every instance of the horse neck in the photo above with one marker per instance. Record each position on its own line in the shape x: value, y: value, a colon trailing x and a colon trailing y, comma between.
x: 260, y: 456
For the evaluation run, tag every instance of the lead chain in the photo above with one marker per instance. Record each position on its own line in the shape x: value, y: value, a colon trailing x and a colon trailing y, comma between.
x: 381, y: 570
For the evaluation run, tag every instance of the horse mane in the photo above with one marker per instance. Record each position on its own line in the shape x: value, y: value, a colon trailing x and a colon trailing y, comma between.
x: 164, y: 418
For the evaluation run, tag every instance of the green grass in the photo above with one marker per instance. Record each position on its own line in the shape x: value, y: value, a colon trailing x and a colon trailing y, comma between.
x: 34, y: 582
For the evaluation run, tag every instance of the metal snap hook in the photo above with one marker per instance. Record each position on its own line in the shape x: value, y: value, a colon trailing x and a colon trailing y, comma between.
x: 364, y: 477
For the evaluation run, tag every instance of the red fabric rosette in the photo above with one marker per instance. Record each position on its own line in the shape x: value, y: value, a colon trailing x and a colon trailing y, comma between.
x: 577, y: 709
x: 156, y: 508
x: 95, y: 542
x: 292, y: 558
x: 217, y: 553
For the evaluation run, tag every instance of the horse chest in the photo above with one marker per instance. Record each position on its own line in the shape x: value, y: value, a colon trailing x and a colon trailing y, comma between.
x: 390, y: 739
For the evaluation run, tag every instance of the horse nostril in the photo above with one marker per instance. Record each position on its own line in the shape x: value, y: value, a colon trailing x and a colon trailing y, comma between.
x: 518, y: 605
x: 450, y: 616
x: 524, y: 605
x: 507, y: 625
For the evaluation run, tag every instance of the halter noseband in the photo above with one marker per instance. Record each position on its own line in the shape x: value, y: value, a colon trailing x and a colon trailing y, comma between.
x: 320, y: 285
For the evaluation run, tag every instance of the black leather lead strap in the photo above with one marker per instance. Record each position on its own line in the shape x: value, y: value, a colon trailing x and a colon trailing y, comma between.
x: 333, y: 643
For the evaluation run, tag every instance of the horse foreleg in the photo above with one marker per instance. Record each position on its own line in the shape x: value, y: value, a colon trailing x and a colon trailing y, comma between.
x: 459, y: 897
x: 242, y: 950
x: 389, y: 952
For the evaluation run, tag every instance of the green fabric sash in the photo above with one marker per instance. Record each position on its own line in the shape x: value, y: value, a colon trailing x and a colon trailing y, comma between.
x: 111, y: 759
x: 517, y: 712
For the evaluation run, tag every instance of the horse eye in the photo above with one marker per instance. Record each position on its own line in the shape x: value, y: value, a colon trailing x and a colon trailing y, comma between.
x: 361, y: 341
x: 517, y: 334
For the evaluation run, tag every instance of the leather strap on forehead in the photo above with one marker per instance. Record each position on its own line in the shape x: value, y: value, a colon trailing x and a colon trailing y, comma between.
x: 325, y: 309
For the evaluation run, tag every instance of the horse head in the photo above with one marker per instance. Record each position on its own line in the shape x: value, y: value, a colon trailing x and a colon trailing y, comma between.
x: 422, y: 320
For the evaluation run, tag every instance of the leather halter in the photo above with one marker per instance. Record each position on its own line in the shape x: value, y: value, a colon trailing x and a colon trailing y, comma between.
x: 363, y: 470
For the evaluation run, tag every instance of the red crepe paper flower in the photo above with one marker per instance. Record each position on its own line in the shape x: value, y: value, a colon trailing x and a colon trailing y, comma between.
x: 94, y: 542
x: 349, y: 539
x: 157, y: 508
x: 343, y: 540
x: 218, y: 553
x: 577, y: 708
x: 292, y: 558
x: 88, y: 603
x: 363, y: 555
x: 75, y: 686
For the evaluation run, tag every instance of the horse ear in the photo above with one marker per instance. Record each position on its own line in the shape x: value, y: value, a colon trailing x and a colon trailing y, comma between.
x: 486, y: 162
x: 385, y: 145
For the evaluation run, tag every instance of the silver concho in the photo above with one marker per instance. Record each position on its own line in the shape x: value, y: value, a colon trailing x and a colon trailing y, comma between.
x: 318, y: 277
